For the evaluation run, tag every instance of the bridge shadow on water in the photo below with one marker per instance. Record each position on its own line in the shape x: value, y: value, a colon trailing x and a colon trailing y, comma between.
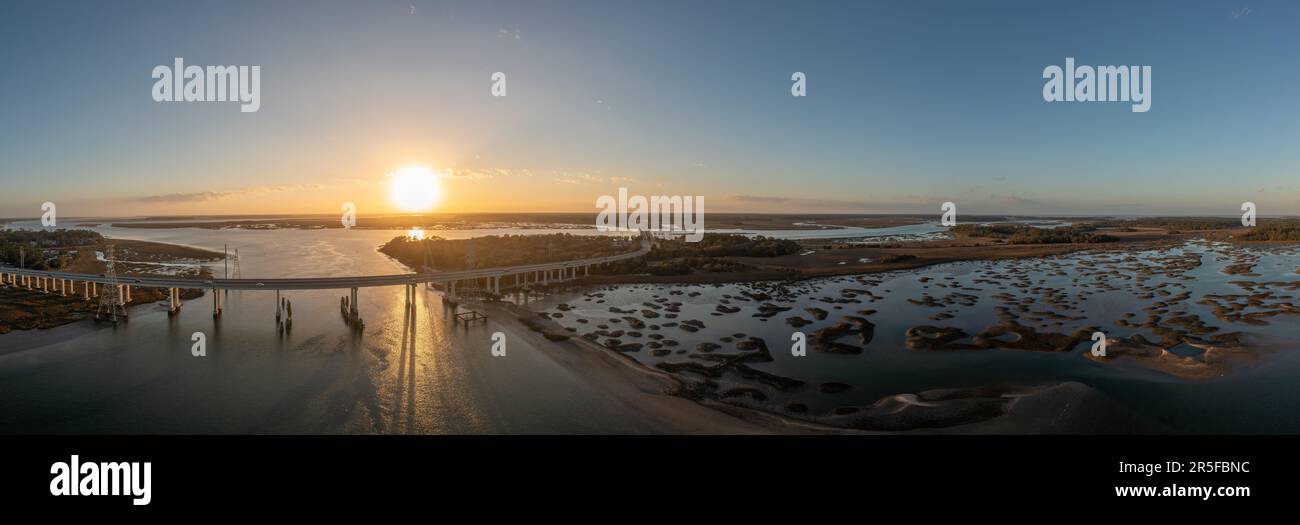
x: 405, y: 401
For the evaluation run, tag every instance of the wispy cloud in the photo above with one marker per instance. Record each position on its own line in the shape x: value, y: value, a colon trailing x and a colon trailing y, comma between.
x: 760, y: 198
x: 579, y: 178
x: 209, y: 196
x: 480, y: 173
x: 172, y: 198
x: 1241, y: 12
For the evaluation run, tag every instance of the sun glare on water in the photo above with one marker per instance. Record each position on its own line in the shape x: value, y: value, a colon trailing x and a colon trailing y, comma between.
x: 414, y: 189
x: 415, y: 234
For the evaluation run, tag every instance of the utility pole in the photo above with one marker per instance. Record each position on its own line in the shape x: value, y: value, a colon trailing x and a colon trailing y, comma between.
x: 110, y: 301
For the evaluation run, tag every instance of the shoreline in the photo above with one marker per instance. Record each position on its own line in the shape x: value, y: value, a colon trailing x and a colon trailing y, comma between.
x: 23, y: 310
x: 825, y: 263
x: 647, y: 389
x: 1060, y: 407
x: 1046, y: 407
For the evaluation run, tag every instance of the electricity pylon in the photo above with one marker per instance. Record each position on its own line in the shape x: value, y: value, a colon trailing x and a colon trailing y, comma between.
x: 111, y: 305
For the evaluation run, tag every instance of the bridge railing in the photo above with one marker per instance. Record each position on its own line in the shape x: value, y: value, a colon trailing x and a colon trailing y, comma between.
x: 325, y: 283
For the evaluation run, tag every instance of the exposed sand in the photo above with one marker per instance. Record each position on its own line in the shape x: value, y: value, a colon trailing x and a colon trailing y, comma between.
x: 658, y: 397
x: 642, y: 389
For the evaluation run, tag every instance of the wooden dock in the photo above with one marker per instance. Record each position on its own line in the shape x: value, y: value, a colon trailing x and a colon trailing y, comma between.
x: 470, y: 317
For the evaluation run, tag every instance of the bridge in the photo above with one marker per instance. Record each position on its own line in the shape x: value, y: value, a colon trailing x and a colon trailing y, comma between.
x: 66, y: 283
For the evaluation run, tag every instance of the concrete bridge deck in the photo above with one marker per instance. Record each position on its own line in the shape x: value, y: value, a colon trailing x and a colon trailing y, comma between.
x: 65, y: 283
x: 328, y: 283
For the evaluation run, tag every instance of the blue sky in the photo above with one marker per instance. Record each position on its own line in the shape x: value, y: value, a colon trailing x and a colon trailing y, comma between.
x: 910, y: 104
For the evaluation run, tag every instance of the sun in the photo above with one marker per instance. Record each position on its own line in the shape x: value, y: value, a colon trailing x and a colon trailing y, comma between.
x: 414, y: 189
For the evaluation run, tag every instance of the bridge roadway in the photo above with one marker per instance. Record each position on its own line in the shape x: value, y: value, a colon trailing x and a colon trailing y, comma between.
x: 330, y: 283
x: 65, y: 282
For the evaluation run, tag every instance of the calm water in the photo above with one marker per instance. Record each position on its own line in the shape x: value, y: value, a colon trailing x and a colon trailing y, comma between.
x: 1257, y: 396
x: 318, y: 378
x: 420, y: 374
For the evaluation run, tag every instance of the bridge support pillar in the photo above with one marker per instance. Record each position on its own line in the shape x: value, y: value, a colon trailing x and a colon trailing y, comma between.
x: 216, y: 303
x: 353, y: 303
x: 173, y: 301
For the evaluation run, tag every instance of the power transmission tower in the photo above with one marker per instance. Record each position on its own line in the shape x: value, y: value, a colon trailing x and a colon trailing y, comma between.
x: 470, y: 264
x: 111, y: 305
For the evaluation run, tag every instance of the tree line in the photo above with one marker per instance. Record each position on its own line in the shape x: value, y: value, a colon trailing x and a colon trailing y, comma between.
x: 33, y: 245
x: 1024, y: 234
